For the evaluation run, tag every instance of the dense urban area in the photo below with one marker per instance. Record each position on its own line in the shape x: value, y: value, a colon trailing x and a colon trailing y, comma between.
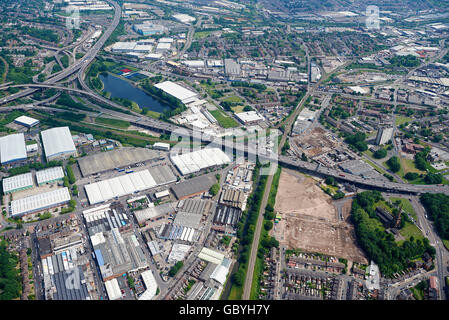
x: 224, y: 150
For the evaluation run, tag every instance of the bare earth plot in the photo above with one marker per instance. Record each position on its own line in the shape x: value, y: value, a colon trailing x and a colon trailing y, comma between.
x: 310, y: 221
x: 317, y: 142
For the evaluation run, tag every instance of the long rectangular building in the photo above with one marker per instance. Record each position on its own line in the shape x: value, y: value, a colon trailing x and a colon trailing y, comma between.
x: 192, y: 187
x: 49, y: 175
x: 12, y: 148
x: 39, y: 202
x: 119, y: 186
x: 58, y: 143
x: 17, y: 183
x: 177, y: 91
x: 195, y: 161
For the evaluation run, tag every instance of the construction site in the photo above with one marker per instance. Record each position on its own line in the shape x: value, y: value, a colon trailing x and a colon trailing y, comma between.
x: 317, y: 142
x: 309, y: 221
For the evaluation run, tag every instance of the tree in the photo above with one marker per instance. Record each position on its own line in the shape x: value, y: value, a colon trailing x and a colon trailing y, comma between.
x: 379, y: 154
x: 411, y: 176
x: 238, y: 278
x: 214, y: 189
x: 393, y: 164
x: 268, y: 225
x: 433, y: 178
x: 330, y: 181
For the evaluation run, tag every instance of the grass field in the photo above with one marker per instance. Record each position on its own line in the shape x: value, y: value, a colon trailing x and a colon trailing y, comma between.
x: 233, y: 99
x: 201, y: 34
x: 409, y: 166
x: 237, y: 109
x: 410, y: 230
x: 223, y: 119
x: 113, y: 122
x: 401, y: 119
x: 152, y: 114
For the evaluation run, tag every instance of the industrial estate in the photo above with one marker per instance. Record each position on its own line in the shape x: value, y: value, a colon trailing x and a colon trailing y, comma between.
x: 224, y: 150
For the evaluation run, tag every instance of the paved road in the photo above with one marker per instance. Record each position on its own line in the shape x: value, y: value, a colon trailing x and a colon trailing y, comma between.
x: 81, y: 64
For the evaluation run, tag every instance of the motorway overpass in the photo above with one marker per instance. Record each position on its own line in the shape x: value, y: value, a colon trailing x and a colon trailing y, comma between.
x: 314, y: 168
x: 80, y: 64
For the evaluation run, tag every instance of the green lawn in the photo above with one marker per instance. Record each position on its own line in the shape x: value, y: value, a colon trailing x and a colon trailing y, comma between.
x: 237, y: 109
x: 236, y: 293
x: 152, y: 114
x: 418, y: 294
x: 401, y: 119
x: 233, y: 99
x: 410, y: 230
x: 30, y: 142
x: 223, y: 119
x: 113, y: 122
x: 408, y: 165
x: 368, y: 153
x: 201, y: 34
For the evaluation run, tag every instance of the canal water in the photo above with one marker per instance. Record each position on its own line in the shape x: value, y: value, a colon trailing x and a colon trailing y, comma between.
x: 120, y: 88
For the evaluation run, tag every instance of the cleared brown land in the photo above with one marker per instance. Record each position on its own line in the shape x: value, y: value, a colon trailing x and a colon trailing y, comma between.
x: 317, y: 142
x: 310, y: 221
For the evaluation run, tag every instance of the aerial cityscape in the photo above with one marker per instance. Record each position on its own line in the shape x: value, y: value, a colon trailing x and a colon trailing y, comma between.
x: 224, y: 150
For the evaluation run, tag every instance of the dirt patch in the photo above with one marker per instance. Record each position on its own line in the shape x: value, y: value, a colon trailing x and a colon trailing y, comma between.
x: 317, y: 142
x: 310, y: 220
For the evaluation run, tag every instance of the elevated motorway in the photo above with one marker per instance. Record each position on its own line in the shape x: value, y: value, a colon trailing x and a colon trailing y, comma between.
x: 307, y: 167
x: 81, y: 64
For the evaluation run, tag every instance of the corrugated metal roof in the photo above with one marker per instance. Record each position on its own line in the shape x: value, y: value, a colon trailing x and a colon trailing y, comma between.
x: 199, y: 159
x: 12, y: 148
x: 119, y: 186
x: 172, y: 88
x: 39, y: 201
x: 49, y: 174
x: 150, y: 285
x: 27, y: 121
x: 113, y: 289
x: 17, y: 182
x: 57, y: 141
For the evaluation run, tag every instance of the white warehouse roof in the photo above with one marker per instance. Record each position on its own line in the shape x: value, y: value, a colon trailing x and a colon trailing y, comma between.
x: 26, y: 121
x: 119, y: 186
x: 113, y: 289
x: 184, y: 18
x: 57, y: 141
x: 50, y: 174
x: 221, y: 271
x: 211, y: 256
x: 124, y: 46
x: 39, y: 202
x: 195, y: 161
x: 17, y: 182
x: 249, y: 116
x: 150, y: 285
x: 166, y: 40
x: 12, y: 148
x: 176, y: 91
